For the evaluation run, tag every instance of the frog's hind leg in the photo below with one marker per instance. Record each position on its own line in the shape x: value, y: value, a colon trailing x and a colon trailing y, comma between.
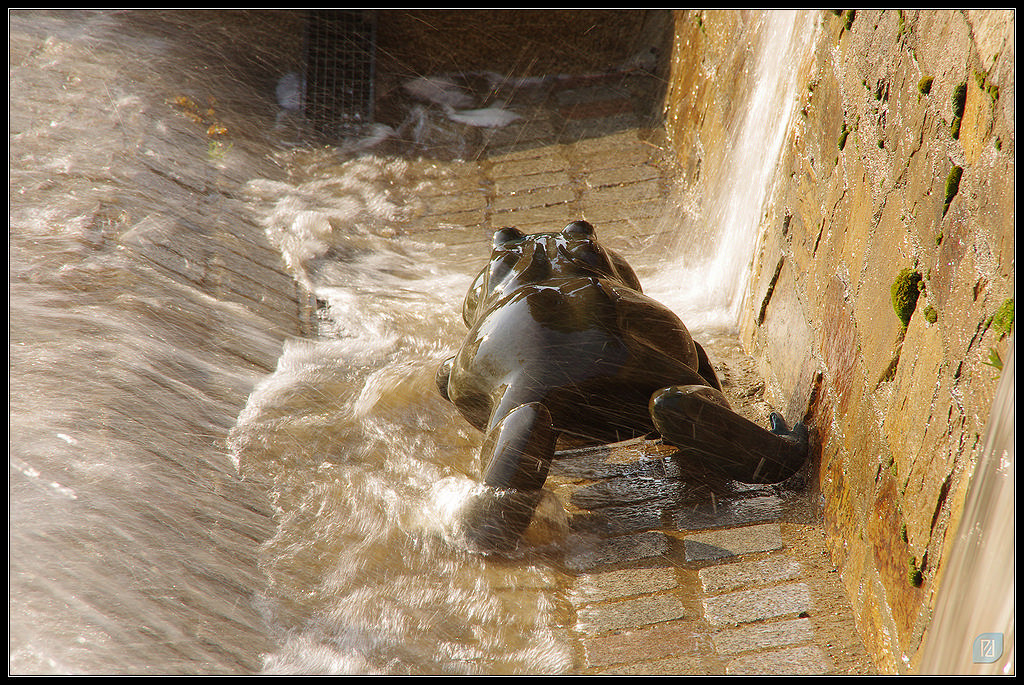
x: 517, y: 452
x: 698, y: 419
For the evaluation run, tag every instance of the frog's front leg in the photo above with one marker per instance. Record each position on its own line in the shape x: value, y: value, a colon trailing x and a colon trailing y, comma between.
x: 517, y: 452
x: 698, y: 418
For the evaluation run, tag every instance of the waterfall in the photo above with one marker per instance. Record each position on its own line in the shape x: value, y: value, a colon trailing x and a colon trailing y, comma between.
x: 972, y: 629
x: 716, y: 221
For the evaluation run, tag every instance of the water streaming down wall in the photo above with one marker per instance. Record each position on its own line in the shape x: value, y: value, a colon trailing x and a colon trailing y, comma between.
x: 973, y: 627
x: 715, y: 218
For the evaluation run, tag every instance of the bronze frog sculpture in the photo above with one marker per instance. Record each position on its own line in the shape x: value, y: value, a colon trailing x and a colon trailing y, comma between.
x: 562, y: 342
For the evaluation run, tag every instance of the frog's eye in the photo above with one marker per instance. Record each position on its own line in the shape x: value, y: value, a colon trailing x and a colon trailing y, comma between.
x: 579, y: 230
x: 506, y: 235
x: 588, y: 254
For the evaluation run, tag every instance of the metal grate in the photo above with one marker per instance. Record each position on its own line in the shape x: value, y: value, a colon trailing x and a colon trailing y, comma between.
x: 340, y: 58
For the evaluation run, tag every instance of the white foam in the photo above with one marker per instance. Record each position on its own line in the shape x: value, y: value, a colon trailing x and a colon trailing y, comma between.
x: 495, y: 116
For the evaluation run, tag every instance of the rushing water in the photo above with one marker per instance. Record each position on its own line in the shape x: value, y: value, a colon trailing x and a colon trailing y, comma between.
x: 717, y: 220
x: 132, y: 541
x: 366, y: 466
x: 969, y: 611
x: 196, y: 488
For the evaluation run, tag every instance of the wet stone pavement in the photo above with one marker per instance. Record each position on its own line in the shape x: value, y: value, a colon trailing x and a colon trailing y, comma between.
x: 670, y: 577
x: 672, y: 573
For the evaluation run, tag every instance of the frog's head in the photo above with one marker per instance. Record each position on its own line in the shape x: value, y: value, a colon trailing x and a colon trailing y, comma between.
x: 519, y: 259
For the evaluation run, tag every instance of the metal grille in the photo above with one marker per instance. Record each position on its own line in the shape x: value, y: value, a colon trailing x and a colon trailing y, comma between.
x: 340, y: 57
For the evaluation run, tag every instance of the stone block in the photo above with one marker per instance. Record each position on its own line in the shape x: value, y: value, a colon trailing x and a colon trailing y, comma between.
x: 665, y: 640
x: 515, y: 185
x: 624, y: 520
x: 611, y: 585
x: 915, y: 388
x: 534, y: 197
x: 729, y: 512
x: 762, y: 636
x: 878, y: 327
x: 789, y: 343
x: 892, y: 558
x: 839, y: 343
x: 626, y: 193
x: 721, y: 544
x: 630, y: 613
x: 618, y: 550
x: 526, y: 163
x: 747, y: 606
x: 724, y: 577
x: 533, y: 219
x: 676, y: 666
x: 810, y: 660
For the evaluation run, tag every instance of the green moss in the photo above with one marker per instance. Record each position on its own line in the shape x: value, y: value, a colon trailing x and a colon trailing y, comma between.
x: 904, y: 292
x: 981, y: 78
x: 930, y: 315
x: 954, y: 128
x: 843, y: 135
x: 993, y: 92
x: 848, y: 17
x: 1002, y: 320
x: 994, y: 360
x: 952, y: 187
x: 914, y: 574
x: 924, y: 86
x: 959, y: 101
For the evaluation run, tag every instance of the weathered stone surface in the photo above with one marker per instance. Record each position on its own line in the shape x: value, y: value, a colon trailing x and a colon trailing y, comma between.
x: 843, y: 221
x: 746, y: 574
x: 747, y: 606
x: 630, y: 613
x: 665, y: 640
x: 794, y: 661
x: 763, y: 636
x: 720, y: 544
